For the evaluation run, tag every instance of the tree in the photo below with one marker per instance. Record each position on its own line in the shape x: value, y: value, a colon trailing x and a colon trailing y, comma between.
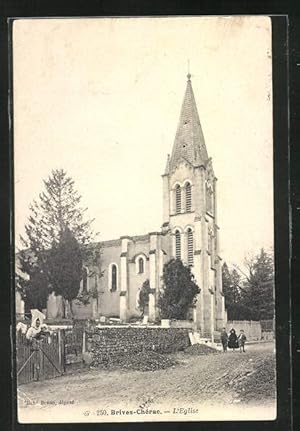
x: 179, y: 292
x: 58, y: 208
x: 65, y: 268
x: 250, y: 298
x: 94, y: 272
x: 31, y: 281
x: 259, y: 286
x: 34, y: 292
x: 226, y: 283
x: 56, y: 211
x: 232, y: 290
x: 144, y: 296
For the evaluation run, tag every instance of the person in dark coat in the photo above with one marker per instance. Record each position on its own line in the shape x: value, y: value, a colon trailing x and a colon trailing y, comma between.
x: 233, y: 340
x: 224, y: 339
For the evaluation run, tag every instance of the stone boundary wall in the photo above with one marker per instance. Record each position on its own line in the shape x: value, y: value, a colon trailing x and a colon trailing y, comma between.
x: 103, y: 342
x: 183, y: 324
x: 268, y: 325
x: 252, y: 328
x: 267, y: 335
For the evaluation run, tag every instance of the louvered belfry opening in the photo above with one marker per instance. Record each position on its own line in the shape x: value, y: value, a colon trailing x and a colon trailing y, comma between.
x: 188, y: 197
x: 178, y: 245
x: 190, y: 246
x: 178, y: 199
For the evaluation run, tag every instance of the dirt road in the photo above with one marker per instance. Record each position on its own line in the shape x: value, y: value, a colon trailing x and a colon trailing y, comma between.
x: 236, y: 383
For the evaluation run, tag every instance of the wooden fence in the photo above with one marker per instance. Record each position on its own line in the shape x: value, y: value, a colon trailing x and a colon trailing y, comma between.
x: 50, y: 357
x: 39, y: 360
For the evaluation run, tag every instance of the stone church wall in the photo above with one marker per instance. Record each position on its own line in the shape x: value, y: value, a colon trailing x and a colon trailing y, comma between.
x: 135, y: 280
x: 109, y: 302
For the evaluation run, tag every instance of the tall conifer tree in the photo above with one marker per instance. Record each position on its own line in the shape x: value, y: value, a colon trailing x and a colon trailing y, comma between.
x: 54, y: 217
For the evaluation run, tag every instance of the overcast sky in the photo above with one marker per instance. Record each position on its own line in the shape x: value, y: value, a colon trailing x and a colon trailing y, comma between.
x: 101, y: 98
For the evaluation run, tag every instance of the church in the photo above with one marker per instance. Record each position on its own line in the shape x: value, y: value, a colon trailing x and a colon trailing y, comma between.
x: 189, y: 231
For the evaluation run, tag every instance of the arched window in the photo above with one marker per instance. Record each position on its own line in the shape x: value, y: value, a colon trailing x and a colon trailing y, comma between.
x: 178, y: 198
x: 141, y: 265
x: 177, y: 245
x: 188, y: 197
x: 190, y: 247
x: 113, y: 286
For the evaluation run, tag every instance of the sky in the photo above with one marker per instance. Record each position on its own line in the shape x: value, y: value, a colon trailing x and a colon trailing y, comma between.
x: 101, y: 99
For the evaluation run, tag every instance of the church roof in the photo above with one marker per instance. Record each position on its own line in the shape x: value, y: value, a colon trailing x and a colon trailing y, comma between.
x: 189, y: 141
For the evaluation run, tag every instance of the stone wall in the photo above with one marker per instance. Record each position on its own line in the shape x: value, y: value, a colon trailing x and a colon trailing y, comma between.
x: 187, y: 324
x: 251, y: 328
x: 267, y: 335
x: 109, y: 302
x: 103, y: 342
x: 136, y: 280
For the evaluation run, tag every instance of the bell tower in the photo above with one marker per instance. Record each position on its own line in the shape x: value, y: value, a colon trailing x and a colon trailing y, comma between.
x: 190, y: 214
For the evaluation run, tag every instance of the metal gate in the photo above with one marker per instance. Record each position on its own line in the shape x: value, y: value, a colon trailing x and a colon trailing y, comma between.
x: 40, y: 360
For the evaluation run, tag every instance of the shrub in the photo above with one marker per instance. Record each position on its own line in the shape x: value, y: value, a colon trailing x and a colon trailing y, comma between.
x: 179, y: 292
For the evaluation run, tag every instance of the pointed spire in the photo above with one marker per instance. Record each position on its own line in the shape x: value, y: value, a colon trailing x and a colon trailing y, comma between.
x: 188, y: 74
x: 189, y: 140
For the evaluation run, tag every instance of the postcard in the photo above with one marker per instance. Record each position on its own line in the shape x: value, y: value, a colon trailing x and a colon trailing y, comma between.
x: 143, y: 176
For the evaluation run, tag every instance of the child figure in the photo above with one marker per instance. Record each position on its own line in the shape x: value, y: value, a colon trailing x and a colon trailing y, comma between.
x: 242, y: 340
x: 224, y: 339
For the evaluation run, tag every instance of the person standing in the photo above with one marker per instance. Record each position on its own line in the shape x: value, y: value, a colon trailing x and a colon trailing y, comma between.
x: 232, y: 340
x: 242, y: 340
x: 224, y: 339
x: 35, y: 330
x: 33, y: 335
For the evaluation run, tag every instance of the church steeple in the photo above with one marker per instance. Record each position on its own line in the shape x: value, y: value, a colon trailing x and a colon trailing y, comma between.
x: 189, y: 141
